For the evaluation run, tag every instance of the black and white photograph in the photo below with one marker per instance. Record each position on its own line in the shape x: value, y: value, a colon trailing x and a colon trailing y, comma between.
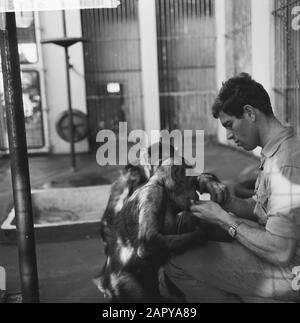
x: 149, y: 154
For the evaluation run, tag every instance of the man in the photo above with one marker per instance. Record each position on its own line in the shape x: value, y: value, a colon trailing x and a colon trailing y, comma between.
x: 261, y: 264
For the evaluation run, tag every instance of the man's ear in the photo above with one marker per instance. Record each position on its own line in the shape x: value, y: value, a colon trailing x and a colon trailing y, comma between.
x: 249, y: 113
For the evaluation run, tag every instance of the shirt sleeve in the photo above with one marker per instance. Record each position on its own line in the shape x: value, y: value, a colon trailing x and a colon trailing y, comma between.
x: 284, y: 203
x: 255, y: 198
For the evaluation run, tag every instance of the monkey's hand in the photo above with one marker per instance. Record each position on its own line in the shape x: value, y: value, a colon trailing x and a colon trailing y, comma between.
x: 163, y: 246
x: 187, y: 222
x: 209, y: 183
x: 200, y: 236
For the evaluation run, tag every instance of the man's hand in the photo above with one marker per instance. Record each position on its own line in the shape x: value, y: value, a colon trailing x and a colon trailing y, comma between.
x: 210, y: 212
x: 209, y: 183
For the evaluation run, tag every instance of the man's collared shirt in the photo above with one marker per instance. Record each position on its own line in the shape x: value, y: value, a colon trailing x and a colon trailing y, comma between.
x: 277, y: 191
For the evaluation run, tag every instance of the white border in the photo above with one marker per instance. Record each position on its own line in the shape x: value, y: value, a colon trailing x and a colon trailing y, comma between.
x: 45, y: 5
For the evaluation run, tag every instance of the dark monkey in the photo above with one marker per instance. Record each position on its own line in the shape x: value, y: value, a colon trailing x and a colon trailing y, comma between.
x: 131, y: 178
x: 145, y: 233
x: 134, y: 176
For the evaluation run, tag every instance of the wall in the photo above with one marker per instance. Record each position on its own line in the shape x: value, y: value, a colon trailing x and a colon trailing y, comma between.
x: 51, y: 24
x: 262, y: 43
x: 261, y: 62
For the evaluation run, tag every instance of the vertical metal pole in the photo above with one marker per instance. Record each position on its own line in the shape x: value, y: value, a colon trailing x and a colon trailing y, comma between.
x: 71, y: 126
x: 19, y: 158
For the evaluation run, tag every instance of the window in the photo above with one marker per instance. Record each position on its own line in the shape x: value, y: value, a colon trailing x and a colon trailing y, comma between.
x: 30, y: 77
x: 26, y: 37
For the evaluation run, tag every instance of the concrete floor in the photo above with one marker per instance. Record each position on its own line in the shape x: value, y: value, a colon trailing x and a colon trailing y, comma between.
x: 66, y: 268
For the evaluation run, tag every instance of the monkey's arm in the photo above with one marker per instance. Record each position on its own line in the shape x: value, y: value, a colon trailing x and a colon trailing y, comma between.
x: 187, y: 222
x: 173, y: 244
x: 170, y: 244
x: 151, y: 226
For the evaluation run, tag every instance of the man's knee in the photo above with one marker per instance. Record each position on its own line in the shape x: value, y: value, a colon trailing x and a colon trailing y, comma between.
x: 169, y: 289
x: 187, y: 289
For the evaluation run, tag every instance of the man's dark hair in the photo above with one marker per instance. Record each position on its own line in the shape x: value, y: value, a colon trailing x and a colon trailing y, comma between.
x: 238, y: 92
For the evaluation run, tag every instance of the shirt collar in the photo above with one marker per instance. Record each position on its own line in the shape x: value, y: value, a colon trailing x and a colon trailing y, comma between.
x: 273, y: 145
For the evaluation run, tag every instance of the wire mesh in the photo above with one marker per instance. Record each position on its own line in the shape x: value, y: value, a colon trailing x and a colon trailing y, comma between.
x: 287, y: 64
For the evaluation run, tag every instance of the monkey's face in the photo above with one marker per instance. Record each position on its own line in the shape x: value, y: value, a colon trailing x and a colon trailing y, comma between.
x: 181, y: 188
x: 186, y: 193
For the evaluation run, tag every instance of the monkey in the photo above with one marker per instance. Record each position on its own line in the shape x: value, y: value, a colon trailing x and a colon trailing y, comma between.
x: 131, y: 178
x: 145, y: 234
x: 135, y: 175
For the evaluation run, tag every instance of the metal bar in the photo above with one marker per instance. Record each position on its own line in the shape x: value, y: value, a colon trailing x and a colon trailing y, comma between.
x: 211, y: 8
x: 169, y: 85
x: 71, y: 125
x: 187, y: 93
x: 19, y: 159
x: 189, y: 67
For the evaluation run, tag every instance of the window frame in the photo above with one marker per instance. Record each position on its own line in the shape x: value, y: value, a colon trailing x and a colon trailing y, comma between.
x: 39, y: 68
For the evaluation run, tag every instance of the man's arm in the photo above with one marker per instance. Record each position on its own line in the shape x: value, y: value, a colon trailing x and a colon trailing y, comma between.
x: 273, y: 248
x: 242, y: 208
x: 276, y: 250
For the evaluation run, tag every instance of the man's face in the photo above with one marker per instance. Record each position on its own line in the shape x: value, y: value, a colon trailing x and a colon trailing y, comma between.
x: 242, y: 131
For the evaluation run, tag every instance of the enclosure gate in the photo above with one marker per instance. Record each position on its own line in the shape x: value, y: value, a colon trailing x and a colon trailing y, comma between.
x: 287, y: 64
x: 112, y: 68
x: 186, y: 55
x: 31, y: 72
